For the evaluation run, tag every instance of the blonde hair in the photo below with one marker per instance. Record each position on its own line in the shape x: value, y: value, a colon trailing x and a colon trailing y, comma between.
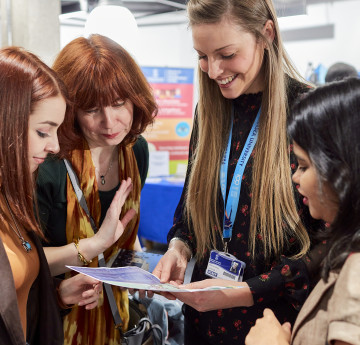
x: 273, y: 213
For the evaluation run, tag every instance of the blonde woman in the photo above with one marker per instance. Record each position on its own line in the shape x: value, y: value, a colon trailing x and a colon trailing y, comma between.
x: 239, y: 202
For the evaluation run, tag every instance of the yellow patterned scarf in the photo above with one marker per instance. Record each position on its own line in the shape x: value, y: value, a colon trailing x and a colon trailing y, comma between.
x: 96, y: 326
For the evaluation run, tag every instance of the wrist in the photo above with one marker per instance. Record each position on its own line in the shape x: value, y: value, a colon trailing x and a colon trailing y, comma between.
x: 98, y: 243
x: 181, y: 246
x: 85, y: 253
x: 238, y: 297
x: 60, y: 300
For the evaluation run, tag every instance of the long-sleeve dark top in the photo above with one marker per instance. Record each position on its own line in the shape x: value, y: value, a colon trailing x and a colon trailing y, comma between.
x: 281, y: 284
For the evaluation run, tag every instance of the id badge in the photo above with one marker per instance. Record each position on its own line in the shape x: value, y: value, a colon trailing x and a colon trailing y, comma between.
x: 225, y: 266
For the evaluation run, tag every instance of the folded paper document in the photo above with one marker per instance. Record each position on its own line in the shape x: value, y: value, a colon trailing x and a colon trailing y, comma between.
x: 133, y: 277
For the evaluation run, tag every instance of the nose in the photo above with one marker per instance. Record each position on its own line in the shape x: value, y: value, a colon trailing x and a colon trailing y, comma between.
x: 296, y: 177
x: 53, y: 145
x: 214, y: 69
x: 108, y: 117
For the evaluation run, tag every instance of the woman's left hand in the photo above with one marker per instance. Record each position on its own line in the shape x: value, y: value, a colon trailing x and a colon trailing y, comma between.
x: 81, y: 290
x: 216, y: 299
x: 268, y: 330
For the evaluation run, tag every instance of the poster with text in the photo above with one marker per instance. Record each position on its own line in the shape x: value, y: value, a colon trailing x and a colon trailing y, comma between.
x: 173, y: 90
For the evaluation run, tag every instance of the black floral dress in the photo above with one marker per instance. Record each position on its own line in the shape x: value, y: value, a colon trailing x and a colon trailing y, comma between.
x: 281, y: 284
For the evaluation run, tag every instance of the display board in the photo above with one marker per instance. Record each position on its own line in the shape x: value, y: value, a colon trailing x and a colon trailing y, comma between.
x: 173, y: 89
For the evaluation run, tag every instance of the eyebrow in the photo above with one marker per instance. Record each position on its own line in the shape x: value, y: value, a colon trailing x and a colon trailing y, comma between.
x: 216, y: 50
x: 51, y: 123
x: 223, y: 47
x: 300, y: 158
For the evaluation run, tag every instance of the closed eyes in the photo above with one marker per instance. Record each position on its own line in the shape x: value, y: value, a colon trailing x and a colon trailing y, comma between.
x: 42, y: 134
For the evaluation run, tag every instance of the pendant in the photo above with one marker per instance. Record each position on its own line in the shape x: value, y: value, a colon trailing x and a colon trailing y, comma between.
x: 26, y: 245
x: 102, y: 177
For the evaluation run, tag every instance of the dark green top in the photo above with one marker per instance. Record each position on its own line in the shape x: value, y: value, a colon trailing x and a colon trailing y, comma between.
x: 51, y: 194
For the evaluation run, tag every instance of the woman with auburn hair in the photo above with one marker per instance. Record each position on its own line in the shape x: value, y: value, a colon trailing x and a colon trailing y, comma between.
x: 239, y: 203
x: 325, y: 130
x: 112, y: 104
x: 32, y: 107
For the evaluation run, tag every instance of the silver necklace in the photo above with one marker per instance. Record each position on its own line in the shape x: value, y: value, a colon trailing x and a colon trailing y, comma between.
x: 26, y: 245
x: 102, y: 176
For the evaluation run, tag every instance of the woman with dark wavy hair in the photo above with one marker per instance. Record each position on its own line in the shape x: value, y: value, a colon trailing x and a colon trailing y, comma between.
x: 112, y: 104
x: 325, y: 129
x: 33, y: 102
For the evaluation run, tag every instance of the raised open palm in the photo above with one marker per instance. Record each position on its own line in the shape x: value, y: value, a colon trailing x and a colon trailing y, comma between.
x: 112, y: 228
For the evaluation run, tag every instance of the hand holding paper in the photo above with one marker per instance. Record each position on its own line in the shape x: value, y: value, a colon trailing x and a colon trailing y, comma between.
x: 133, y: 277
x: 213, y: 294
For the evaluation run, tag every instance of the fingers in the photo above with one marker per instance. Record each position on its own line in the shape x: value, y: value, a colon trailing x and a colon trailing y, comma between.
x: 168, y: 295
x: 128, y: 216
x: 163, y: 272
x: 286, y: 326
x: 124, y: 190
x: 169, y: 268
x: 92, y: 305
x: 98, y: 287
x: 189, y: 286
x: 114, y: 211
x: 157, y: 270
x: 287, y: 329
x: 122, y: 193
x: 90, y: 297
x: 268, y: 313
x: 90, y: 302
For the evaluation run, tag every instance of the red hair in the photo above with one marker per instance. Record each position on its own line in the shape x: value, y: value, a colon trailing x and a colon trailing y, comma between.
x: 97, y: 71
x: 24, y: 81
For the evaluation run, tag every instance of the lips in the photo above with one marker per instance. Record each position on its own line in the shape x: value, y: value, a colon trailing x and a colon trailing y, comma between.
x: 39, y: 160
x: 110, y: 136
x: 226, y: 81
x: 305, y: 199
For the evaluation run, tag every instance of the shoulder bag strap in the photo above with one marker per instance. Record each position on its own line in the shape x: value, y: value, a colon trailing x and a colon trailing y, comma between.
x: 101, y: 260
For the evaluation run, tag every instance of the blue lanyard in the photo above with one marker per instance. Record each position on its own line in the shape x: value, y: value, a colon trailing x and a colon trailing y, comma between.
x: 232, y: 200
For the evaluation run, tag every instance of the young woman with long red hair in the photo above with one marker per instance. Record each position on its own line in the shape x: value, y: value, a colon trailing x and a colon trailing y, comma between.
x: 32, y: 108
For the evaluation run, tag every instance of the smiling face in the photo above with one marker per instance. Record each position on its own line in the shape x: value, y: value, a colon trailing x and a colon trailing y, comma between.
x: 231, y: 56
x: 321, y: 199
x: 106, y: 126
x: 44, y: 122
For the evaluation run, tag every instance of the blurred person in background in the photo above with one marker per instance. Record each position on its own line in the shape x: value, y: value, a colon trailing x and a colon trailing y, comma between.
x: 339, y: 71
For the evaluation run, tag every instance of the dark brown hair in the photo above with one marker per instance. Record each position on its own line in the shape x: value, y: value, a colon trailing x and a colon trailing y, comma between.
x: 24, y: 81
x: 325, y: 124
x: 97, y: 71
